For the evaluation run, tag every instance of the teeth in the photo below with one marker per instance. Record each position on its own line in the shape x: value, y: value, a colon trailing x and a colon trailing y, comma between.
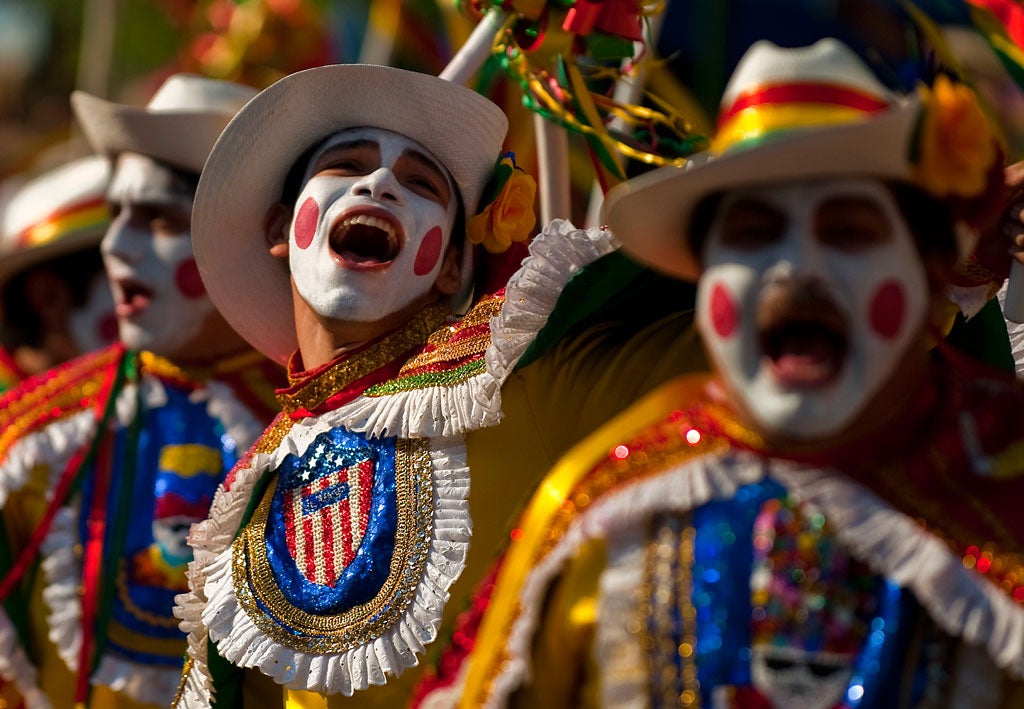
x: 370, y: 221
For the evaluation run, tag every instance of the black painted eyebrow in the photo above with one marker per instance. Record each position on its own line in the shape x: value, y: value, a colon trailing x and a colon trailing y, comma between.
x: 427, y: 162
x: 356, y: 144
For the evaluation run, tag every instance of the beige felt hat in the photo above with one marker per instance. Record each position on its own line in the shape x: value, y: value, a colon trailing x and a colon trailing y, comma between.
x: 178, y: 126
x: 787, y: 114
x: 249, y: 163
x: 56, y: 213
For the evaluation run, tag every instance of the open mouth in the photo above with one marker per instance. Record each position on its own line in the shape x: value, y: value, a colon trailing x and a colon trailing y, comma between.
x: 365, y: 241
x: 131, y: 297
x: 804, y: 342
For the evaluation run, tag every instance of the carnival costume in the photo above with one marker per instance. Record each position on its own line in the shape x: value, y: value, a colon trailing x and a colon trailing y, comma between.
x: 55, y: 223
x: 677, y: 558
x: 328, y: 557
x: 104, y: 464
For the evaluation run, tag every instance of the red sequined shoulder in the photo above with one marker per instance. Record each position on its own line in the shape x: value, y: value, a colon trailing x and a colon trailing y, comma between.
x: 41, y: 399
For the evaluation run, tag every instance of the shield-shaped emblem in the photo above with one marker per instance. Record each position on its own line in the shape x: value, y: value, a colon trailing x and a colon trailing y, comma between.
x: 326, y: 509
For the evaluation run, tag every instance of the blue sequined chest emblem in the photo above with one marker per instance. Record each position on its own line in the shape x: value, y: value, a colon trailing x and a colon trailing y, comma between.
x: 338, y: 544
x: 331, y: 528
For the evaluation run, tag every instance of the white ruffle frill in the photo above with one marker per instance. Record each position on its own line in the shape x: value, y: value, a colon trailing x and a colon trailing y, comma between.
x: 556, y: 255
x: 443, y: 414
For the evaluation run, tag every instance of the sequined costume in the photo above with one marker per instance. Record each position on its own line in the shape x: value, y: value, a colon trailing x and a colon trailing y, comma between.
x: 673, y: 559
x: 105, y: 462
x: 328, y: 559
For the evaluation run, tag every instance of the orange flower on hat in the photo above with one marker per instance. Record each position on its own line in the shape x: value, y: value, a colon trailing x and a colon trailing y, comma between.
x: 956, y: 145
x: 509, y: 216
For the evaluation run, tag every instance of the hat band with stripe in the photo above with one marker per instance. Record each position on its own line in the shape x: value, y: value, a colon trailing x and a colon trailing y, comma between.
x: 85, y: 216
x: 769, y: 111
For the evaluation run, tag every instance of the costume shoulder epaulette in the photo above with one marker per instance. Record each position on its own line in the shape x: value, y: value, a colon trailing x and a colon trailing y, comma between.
x: 63, y: 391
x: 452, y: 354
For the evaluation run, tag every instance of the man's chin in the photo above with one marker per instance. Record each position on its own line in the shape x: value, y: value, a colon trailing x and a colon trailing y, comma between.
x: 804, y: 415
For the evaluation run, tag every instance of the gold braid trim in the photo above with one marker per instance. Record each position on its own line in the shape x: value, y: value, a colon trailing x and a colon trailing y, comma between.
x: 353, y: 368
x: 306, y: 632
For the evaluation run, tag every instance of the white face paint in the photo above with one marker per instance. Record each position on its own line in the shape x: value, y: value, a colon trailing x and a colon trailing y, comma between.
x: 802, y: 365
x: 160, y: 302
x: 371, y: 226
x: 93, y: 324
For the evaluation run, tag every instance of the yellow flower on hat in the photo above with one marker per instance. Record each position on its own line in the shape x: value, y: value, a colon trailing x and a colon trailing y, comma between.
x: 956, y: 145
x: 509, y: 216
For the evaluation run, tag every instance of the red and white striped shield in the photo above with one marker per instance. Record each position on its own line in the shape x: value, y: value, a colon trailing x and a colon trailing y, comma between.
x: 326, y: 520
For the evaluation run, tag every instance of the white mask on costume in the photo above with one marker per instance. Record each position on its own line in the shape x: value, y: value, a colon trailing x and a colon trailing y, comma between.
x: 371, y: 225
x: 161, y: 304
x: 93, y: 324
x: 811, y: 294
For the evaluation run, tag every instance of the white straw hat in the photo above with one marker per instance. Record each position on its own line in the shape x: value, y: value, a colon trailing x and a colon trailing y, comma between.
x: 787, y: 114
x: 178, y: 126
x: 247, y: 168
x: 56, y: 213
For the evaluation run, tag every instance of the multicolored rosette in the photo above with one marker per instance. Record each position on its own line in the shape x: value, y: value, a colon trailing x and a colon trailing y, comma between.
x: 567, y: 56
x: 505, y: 214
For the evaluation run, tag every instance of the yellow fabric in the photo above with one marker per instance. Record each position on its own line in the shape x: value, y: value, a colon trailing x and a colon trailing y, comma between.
x: 577, y: 462
x: 304, y: 700
x: 547, y: 407
x: 565, y: 674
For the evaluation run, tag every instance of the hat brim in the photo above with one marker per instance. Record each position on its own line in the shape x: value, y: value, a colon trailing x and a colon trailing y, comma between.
x: 650, y: 214
x: 14, y: 263
x: 248, y: 165
x: 179, y: 138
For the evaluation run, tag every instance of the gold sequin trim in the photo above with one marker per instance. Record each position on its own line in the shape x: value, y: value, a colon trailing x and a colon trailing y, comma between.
x: 359, y: 365
x: 306, y: 632
x: 440, y: 346
x: 162, y: 367
x: 185, y: 670
x: 271, y: 439
x: 446, y: 352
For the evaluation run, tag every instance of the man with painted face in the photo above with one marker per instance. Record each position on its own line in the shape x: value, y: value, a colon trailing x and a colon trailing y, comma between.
x: 106, y: 460
x: 337, y: 237
x: 55, y: 303
x: 828, y: 520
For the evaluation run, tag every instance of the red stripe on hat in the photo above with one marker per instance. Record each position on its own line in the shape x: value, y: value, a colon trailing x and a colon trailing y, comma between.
x: 804, y: 93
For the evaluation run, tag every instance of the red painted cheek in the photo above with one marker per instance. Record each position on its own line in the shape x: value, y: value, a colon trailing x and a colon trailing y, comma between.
x: 724, y: 313
x: 305, y: 223
x: 887, y: 309
x: 188, y: 281
x: 429, y: 253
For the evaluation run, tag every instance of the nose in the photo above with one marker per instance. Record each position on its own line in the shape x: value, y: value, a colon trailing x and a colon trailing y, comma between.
x: 123, y: 240
x: 799, y: 255
x: 381, y: 185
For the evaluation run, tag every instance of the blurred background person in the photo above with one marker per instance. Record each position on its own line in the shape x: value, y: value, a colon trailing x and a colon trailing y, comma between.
x: 55, y: 302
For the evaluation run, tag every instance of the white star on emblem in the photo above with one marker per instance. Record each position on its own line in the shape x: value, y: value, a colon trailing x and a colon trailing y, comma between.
x: 306, y: 475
